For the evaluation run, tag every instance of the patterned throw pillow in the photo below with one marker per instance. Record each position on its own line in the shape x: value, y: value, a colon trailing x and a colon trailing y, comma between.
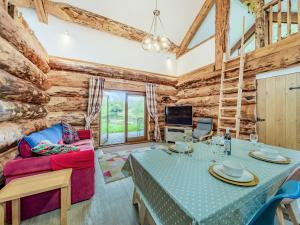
x: 45, y: 147
x: 70, y: 135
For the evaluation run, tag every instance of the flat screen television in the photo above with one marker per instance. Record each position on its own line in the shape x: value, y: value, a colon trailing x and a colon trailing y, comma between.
x: 179, y: 115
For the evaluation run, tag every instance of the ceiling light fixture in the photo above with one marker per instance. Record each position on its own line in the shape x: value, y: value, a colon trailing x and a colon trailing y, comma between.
x: 156, y: 40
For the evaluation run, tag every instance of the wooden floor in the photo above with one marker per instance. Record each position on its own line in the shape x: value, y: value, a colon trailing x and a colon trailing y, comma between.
x: 111, y: 205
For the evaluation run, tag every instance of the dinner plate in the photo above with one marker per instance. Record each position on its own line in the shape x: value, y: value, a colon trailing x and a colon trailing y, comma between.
x: 246, y: 177
x: 278, y: 158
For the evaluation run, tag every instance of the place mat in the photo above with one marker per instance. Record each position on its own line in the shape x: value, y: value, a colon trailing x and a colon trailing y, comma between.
x: 286, y: 161
x: 252, y: 183
x: 172, y: 148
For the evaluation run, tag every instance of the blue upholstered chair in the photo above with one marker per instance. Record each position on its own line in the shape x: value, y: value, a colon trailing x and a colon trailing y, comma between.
x: 204, y: 129
x: 266, y: 214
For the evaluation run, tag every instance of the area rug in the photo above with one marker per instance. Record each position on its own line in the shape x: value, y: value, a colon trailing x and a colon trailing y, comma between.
x: 111, y: 164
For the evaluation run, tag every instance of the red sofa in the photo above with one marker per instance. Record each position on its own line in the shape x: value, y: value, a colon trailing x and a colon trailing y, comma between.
x: 82, y: 181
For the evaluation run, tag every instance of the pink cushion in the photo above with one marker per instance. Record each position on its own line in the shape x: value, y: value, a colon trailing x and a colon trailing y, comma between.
x: 85, y: 134
x: 86, y: 144
x: 25, y: 149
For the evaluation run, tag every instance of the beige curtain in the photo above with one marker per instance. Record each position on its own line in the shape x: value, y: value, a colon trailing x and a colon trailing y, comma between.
x: 96, y: 86
x: 152, y: 109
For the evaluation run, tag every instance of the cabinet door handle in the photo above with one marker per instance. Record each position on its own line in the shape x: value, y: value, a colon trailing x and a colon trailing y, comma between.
x: 294, y: 88
x: 260, y: 120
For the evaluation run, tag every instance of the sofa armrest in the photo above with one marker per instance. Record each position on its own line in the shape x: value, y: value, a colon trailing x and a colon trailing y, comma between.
x: 23, y: 166
x: 85, y: 134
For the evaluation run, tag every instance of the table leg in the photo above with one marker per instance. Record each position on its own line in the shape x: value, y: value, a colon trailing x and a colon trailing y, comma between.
x: 64, y: 206
x: 2, y: 213
x: 69, y: 195
x: 142, y: 212
x: 16, y: 215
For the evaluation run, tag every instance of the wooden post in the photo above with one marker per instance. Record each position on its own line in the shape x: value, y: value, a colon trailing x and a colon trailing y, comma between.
x: 298, y: 15
x: 279, y: 21
x: 222, y: 26
x: 271, y: 24
x: 289, y: 19
x: 259, y: 25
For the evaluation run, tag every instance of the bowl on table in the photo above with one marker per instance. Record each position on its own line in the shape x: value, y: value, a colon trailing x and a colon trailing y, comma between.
x: 233, y: 168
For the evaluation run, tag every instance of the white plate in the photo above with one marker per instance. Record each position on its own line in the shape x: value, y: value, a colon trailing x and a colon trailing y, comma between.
x: 246, y: 177
x: 259, y: 154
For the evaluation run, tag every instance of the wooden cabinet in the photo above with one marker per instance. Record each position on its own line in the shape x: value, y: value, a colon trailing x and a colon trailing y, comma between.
x: 278, y: 110
x: 173, y: 133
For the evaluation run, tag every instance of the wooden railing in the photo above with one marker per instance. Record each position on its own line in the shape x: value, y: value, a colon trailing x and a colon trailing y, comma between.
x: 280, y: 17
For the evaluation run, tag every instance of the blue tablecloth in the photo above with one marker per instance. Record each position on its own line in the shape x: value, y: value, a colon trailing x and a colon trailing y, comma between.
x: 178, y: 189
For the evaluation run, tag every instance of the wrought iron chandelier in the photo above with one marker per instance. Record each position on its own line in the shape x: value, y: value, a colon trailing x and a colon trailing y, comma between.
x: 156, y: 40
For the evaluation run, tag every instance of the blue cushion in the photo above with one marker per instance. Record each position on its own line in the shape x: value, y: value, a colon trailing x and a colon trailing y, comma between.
x: 52, y: 134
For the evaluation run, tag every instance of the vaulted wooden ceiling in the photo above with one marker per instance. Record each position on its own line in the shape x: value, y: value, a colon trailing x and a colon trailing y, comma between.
x: 99, y: 22
x: 80, y: 16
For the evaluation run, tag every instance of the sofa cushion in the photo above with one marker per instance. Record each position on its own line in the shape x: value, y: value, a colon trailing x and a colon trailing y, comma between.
x: 47, y: 148
x: 86, y: 144
x: 53, y: 134
x: 21, y: 166
x: 70, y: 134
x: 24, y: 149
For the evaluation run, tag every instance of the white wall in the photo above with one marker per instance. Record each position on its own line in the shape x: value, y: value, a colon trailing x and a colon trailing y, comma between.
x: 64, y: 39
x: 196, y: 58
x: 207, y: 28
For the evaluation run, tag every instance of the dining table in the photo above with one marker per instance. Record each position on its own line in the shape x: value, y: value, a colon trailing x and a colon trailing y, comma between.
x: 177, y: 189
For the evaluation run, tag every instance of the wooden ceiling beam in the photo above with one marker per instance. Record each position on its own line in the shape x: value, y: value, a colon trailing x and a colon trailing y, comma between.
x: 208, y: 4
x: 40, y: 7
x: 83, y: 17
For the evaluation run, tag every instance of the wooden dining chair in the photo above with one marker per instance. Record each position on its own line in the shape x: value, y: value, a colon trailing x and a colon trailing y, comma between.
x: 266, y: 214
x: 286, y: 204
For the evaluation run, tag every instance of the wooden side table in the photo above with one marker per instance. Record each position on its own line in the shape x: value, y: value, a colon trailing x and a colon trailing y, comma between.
x: 31, y: 185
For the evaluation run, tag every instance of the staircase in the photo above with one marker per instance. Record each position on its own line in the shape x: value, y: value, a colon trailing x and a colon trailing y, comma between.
x: 225, y: 114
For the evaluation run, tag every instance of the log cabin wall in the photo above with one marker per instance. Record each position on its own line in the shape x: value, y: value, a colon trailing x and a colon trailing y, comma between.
x: 200, y: 88
x: 69, y: 90
x: 23, y: 81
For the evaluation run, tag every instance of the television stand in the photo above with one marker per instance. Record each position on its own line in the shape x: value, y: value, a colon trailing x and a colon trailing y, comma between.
x: 174, y: 133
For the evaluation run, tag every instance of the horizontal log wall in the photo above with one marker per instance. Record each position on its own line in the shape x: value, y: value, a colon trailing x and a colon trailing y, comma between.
x: 23, y: 64
x: 69, y: 98
x: 200, y: 88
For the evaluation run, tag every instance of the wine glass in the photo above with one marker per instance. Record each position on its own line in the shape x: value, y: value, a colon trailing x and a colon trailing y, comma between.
x: 188, y: 139
x: 214, y: 148
x: 220, y: 137
x: 254, y: 140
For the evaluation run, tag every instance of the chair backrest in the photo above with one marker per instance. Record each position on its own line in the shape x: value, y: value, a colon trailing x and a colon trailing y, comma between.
x: 295, y: 175
x: 205, y: 124
x: 266, y: 214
